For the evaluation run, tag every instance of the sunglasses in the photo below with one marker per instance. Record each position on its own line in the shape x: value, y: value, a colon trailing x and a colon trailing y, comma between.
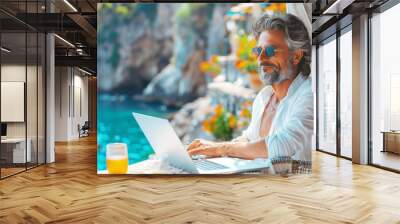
x: 268, y: 50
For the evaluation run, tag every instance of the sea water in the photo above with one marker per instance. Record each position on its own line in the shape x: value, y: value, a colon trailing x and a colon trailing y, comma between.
x: 115, y: 123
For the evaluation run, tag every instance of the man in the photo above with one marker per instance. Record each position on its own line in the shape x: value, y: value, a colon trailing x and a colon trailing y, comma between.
x: 282, y: 116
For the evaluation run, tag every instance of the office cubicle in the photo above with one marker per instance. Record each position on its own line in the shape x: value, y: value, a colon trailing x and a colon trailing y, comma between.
x: 22, y: 77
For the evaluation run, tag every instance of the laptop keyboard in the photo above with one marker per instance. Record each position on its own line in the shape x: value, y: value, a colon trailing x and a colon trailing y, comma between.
x: 208, y: 165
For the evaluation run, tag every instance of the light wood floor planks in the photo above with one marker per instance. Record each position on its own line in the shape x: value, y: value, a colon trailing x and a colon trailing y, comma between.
x: 69, y: 191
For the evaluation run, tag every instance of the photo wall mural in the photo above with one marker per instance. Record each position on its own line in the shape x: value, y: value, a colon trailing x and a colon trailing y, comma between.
x: 204, y: 88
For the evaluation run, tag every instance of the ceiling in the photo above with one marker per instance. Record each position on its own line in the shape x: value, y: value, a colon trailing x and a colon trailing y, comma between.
x: 331, y: 15
x: 76, y: 21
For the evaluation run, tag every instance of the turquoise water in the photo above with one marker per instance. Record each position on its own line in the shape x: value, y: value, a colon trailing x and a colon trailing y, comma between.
x: 116, y: 124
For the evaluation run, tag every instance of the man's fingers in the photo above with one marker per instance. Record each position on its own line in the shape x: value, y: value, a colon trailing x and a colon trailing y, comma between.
x: 198, y: 150
x: 203, y: 150
x: 196, y: 143
x: 193, y: 145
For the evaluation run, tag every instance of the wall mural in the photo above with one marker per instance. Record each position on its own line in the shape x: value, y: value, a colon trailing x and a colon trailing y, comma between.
x: 204, y: 88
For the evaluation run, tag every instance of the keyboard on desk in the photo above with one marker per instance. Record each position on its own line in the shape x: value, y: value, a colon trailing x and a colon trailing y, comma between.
x: 208, y: 165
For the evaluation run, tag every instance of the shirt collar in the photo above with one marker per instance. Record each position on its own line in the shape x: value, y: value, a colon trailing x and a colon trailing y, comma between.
x: 267, y: 91
x: 297, y: 82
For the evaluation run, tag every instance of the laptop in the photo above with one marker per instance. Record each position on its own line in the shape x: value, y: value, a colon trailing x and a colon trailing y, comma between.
x: 168, y: 147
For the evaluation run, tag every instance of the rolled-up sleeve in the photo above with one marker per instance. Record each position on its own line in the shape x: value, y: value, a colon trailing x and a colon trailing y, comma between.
x: 292, y: 133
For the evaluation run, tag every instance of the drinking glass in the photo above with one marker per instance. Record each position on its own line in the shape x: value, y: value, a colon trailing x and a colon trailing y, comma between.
x: 117, y: 158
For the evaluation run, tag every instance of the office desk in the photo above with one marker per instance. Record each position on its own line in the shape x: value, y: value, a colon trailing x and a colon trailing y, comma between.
x: 17, y: 150
x: 391, y: 141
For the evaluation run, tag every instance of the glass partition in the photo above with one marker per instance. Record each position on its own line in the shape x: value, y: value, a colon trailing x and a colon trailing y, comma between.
x: 13, y: 105
x: 22, y: 88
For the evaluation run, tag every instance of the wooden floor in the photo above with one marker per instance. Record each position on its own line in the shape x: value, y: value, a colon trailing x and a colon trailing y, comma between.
x: 386, y: 159
x: 10, y: 171
x: 69, y: 191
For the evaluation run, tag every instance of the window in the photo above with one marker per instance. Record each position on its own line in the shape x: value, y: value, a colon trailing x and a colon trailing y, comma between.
x: 327, y: 96
x: 346, y: 94
x: 385, y: 88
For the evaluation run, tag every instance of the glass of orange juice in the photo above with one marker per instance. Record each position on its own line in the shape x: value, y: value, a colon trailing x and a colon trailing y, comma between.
x: 117, y: 158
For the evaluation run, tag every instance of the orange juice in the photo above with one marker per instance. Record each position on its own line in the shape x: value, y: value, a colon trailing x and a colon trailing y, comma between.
x: 117, y: 164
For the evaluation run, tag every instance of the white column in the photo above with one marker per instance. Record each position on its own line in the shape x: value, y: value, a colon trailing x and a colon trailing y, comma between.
x: 50, y: 92
x: 314, y: 89
x: 360, y: 90
x: 50, y: 100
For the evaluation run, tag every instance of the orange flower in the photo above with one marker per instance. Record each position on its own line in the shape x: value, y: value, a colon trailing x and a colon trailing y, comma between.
x: 204, y: 66
x: 281, y: 7
x: 240, y: 64
x: 245, y: 113
x: 206, y: 126
x: 277, y: 7
x: 218, y: 109
x: 232, y: 121
x: 214, y: 59
x: 213, y: 119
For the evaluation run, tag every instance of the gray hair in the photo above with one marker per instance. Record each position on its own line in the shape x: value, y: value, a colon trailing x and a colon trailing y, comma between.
x: 295, y: 32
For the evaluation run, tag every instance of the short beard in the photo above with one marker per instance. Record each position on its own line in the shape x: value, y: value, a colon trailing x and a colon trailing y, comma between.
x: 270, y: 78
x: 275, y: 76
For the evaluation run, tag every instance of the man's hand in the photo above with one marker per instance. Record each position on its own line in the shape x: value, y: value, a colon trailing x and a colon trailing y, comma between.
x: 240, y: 149
x: 207, y: 148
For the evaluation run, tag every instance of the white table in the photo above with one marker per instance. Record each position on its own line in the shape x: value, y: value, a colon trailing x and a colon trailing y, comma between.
x: 19, y: 149
x: 154, y: 165
x: 150, y: 166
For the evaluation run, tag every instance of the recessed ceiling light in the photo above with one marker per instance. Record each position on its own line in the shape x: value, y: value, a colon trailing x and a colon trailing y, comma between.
x: 65, y: 41
x: 70, y: 5
x: 84, y: 71
x: 338, y: 6
x: 5, y: 50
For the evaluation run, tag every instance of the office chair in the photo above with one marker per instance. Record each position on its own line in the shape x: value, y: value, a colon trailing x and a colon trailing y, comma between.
x: 84, y: 130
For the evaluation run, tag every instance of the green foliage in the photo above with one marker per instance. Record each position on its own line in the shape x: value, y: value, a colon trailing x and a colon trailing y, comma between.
x: 105, y: 6
x: 222, y: 130
x: 122, y: 9
x: 221, y: 124
x: 183, y: 13
x: 187, y: 9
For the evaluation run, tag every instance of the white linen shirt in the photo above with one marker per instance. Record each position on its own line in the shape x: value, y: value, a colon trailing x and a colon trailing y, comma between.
x: 292, y: 127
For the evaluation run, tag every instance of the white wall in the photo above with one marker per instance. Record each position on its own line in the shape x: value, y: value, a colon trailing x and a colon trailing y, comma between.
x: 33, y: 127
x: 71, y: 93
x: 13, y: 73
x: 61, y: 103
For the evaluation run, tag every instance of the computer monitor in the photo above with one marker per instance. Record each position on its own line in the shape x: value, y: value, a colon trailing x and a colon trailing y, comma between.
x: 3, y: 129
